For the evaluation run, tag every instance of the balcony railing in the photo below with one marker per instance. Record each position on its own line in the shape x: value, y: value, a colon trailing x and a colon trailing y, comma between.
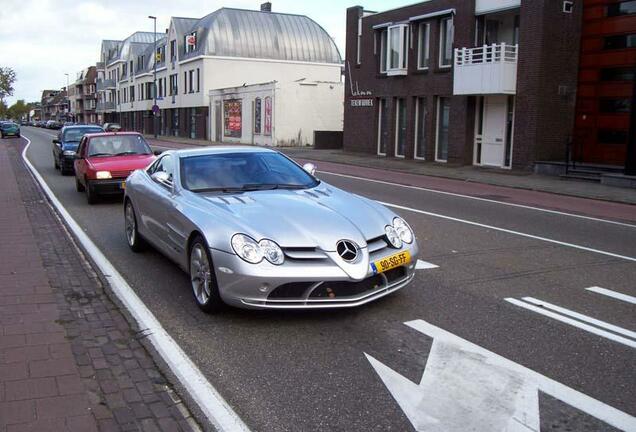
x: 489, y: 69
x: 105, y: 106
x: 105, y: 84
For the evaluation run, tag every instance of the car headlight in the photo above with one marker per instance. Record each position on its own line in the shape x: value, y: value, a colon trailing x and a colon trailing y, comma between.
x: 393, y: 236
x: 69, y: 153
x: 403, y: 230
x: 253, y: 252
x: 103, y: 175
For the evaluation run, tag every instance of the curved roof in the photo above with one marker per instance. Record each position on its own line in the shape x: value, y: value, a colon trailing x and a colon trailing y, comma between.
x: 256, y: 34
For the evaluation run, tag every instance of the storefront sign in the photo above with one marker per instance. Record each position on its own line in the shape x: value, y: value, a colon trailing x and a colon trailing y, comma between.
x: 268, y: 116
x: 361, y: 102
x: 233, y: 119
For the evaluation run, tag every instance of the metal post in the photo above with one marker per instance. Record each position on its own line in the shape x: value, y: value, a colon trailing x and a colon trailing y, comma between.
x: 154, y: 85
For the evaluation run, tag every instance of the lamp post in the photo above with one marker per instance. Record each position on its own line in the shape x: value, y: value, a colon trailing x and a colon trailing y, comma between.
x: 68, y: 100
x: 154, y: 84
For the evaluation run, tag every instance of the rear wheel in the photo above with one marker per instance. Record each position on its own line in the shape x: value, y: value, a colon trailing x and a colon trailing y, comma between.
x: 135, y: 241
x: 202, y: 277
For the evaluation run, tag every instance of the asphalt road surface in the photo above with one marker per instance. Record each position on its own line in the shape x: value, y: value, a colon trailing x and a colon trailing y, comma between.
x: 307, y: 371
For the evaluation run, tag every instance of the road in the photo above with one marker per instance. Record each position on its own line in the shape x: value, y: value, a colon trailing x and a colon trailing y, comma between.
x: 307, y: 371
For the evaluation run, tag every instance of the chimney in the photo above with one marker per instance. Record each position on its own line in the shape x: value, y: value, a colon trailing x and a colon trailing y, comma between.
x: 266, y: 7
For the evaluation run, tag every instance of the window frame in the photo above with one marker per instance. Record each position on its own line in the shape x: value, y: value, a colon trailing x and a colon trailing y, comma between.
x: 384, y: 40
x: 442, y: 39
x: 427, y: 51
x: 403, y: 57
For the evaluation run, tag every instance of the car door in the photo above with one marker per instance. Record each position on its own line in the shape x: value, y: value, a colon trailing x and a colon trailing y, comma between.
x: 80, y: 160
x: 57, y: 147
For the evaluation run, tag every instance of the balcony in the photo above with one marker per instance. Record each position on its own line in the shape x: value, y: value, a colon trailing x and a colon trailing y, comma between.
x: 105, y: 84
x: 105, y: 106
x: 489, y: 69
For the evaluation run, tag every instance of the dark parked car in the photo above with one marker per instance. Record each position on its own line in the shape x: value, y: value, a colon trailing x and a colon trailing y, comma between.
x: 8, y: 129
x: 112, y: 127
x: 65, y: 146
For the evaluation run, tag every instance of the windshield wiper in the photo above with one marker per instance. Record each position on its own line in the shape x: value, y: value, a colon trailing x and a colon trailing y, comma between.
x: 217, y: 189
x: 125, y: 153
x: 100, y: 154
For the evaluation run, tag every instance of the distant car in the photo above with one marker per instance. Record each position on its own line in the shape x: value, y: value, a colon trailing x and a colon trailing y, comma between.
x: 8, y: 129
x: 66, y: 143
x: 112, y: 127
x: 104, y: 161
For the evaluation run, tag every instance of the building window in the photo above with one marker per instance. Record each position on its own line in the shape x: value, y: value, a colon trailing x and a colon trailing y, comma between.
x: 174, y: 85
x: 232, y: 118
x: 132, y: 93
x: 622, y: 8
x: 443, y: 120
x: 257, y: 116
x: 614, y: 105
x: 190, y: 42
x: 612, y: 136
x: 397, y: 50
x: 160, y: 87
x: 359, y: 41
x: 198, y: 81
x: 618, y: 74
x: 383, y: 127
x: 424, y: 30
x: 383, y: 50
x: 620, y: 41
x: 446, y: 32
x: 267, y: 128
x: 173, y: 50
x: 421, y: 113
x: 192, y: 81
x: 400, y: 127
x: 185, y: 82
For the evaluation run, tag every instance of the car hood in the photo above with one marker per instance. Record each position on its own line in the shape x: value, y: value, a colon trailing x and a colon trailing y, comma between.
x: 121, y: 163
x: 70, y: 145
x: 317, y: 217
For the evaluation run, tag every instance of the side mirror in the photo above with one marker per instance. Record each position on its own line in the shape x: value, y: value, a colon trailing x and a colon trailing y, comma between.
x: 157, y: 152
x: 310, y: 168
x: 56, y: 141
x: 162, y: 177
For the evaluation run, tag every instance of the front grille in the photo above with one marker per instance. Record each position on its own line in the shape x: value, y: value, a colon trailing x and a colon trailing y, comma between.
x: 335, y: 289
x: 376, y: 244
x: 290, y: 290
x: 120, y: 174
x: 304, y: 253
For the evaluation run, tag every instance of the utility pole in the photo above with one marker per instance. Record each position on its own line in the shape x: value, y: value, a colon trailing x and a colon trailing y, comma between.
x: 154, y: 85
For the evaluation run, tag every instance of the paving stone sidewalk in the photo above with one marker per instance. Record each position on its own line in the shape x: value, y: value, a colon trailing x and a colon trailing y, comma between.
x: 69, y: 358
x: 497, y: 177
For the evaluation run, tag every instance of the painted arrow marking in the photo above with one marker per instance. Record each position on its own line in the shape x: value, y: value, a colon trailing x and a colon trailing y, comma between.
x: 466, y: 387
x: 423, y: 265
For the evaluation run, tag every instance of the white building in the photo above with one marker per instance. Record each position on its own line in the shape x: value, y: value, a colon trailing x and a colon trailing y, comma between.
x: 227, y: 48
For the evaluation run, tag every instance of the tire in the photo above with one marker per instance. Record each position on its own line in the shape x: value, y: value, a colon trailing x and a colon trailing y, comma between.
x: 202, y: 277
x: 134, y: 239
x: 78, y: 186
x: 55, y: 163
x: 91, y: 196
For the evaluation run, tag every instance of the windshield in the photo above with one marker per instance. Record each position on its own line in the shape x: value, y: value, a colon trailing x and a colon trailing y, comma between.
x: 118, y: 145
x: 230, y: 172
x: 7, y: 125
x: 76, y: 134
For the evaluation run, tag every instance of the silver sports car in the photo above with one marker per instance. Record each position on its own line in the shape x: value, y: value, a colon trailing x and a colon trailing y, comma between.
x: 255, y: 230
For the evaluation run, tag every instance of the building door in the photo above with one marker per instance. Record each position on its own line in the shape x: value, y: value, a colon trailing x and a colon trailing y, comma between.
x: 218, y: 121
x: 493, y: 147
x: 383, y: 127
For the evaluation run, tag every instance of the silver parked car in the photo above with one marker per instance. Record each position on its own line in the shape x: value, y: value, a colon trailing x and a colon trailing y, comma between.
x: 255, y: 230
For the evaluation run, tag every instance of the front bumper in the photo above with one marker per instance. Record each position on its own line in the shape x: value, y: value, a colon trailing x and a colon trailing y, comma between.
x: 67, y: 163
x: 108, y: 187
x: 320, y: 284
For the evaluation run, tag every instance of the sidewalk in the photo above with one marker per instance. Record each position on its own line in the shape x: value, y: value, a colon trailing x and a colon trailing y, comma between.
x: 69, y: 359
x: 496, y: 177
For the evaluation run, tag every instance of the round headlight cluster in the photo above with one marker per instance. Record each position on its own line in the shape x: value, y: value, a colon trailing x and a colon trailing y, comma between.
x: 398, y: 233
x: 253, y: 252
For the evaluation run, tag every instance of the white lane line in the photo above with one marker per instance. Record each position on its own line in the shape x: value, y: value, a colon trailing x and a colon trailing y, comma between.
x: 483, y: 199
x: 545, y: 239
x: 424, y: 265
x: 581, y: 317
x: 215, y: 408
x: 574, y: 398
x: 589, y: 328
x: 613, y: 294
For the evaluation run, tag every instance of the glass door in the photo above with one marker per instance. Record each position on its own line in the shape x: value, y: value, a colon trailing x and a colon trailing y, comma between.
x: 400, y: 127
x: 420, y: 128
x: 443, y: 119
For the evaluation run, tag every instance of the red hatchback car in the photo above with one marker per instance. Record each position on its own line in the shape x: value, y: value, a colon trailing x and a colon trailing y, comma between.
x: 104, y: 161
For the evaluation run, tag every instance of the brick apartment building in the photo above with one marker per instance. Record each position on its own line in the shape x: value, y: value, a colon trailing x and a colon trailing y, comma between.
x: 482, y: 82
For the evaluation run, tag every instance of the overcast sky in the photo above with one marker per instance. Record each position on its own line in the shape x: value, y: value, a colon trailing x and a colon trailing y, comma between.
x: 44, y: 39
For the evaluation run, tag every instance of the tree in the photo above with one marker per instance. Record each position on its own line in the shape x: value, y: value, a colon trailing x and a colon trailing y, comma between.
x: 18, y: 110
x: 7, y: 78
x: 3, y: 110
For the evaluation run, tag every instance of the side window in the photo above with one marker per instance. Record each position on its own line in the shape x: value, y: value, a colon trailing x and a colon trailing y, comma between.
x: 82, y: 147
x: 165, y: 164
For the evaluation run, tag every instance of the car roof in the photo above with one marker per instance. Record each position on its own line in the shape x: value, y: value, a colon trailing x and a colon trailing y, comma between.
x: 212, y: 150
x: 102, y: 134
x: 82, y: 126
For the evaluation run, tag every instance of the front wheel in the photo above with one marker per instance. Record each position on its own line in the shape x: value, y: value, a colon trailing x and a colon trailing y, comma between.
x: 78, y: 185
x: 91, y: 196
x: 135, y: 242
x: 202, y: 277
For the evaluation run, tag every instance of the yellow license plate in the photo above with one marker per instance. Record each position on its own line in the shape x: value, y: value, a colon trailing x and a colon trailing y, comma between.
x: 123, y: 185
x: 391, y: 262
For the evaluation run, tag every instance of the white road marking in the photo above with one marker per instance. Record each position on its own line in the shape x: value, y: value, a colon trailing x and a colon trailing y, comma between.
x: 466, y: 387
x: 545, y: 239
x: 581, y: 317
x: 591, y: 218
x: 613, y: 294
x: 424, y: 265
x: 581, y: 325
x: 215, y: 408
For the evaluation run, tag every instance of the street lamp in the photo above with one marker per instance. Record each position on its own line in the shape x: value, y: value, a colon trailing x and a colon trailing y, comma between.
x: 68, y: 100
x: 154, y: 85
